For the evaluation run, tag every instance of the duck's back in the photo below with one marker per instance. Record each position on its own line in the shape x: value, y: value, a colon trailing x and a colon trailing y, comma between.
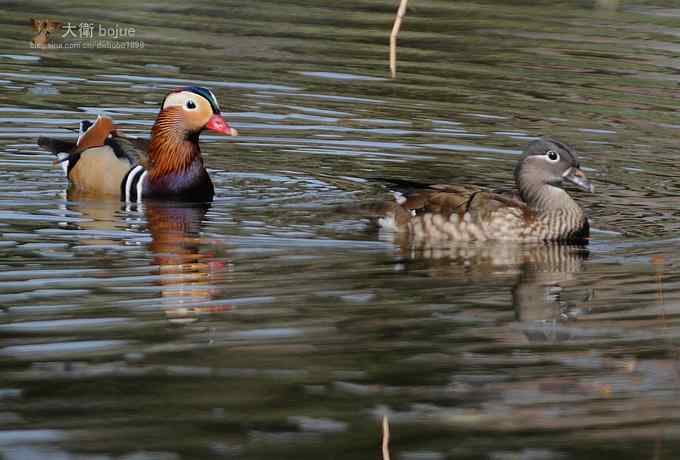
x: 470, y: 213
x: 459, y: 212
x: 99, y: 161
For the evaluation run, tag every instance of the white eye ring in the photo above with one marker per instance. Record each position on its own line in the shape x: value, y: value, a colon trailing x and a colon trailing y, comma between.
x: 190, y: 104
x: 552, y: 156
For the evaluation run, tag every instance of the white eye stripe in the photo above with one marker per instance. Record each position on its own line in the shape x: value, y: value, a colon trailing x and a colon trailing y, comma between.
x: 178, y: 99
x: 214, y: 99
x: 552, y: 156
x: 181, y: 99
x: 191, y: 101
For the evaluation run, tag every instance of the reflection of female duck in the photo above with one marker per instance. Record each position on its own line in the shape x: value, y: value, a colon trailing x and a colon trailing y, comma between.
x: 479, y: 261
x: 541, y: 272
x: 537, y: 295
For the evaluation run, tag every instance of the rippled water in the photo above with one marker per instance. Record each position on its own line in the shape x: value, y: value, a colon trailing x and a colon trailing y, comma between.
x: 272, y: 324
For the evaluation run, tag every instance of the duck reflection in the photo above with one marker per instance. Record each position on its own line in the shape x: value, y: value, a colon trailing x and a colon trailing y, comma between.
x: 541, y: 274
x: 178, y: 250
x: 539, y: 295
x: 183, y: 259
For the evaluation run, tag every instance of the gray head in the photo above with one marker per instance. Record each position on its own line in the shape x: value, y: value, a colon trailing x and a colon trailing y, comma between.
x: 548, y: 161
x: 546, y: 164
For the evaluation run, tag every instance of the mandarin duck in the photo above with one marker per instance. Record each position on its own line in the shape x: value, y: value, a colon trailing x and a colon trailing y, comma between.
x: 540, y: 210
x: 104, y: 162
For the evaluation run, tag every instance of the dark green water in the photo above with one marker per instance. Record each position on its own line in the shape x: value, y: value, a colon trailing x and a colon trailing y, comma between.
x: 269, y: 325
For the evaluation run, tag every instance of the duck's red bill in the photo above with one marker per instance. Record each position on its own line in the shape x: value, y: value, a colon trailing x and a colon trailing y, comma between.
x: 217, y: 124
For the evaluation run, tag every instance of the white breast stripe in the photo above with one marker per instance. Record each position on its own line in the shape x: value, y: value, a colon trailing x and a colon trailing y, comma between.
x: 140, y: 182
x: 130, y: 179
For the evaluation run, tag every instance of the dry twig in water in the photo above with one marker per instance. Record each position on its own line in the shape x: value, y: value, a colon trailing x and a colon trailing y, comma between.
x: 386, y: 438
x: 393, y: 37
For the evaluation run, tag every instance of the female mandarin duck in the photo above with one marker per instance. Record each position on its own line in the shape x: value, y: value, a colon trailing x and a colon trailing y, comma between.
x: 168, y: 166
x: 541, y: 211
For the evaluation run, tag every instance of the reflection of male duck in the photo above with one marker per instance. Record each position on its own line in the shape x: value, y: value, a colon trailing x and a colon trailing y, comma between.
x: 186, y: 269
x: 178, y: 252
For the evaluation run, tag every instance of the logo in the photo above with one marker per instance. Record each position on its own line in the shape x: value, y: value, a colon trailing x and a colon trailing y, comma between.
x: 43, y: 29
x: 84, y: 35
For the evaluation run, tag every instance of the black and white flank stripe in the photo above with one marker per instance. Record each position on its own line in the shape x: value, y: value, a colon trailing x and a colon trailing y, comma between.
x: 132, y: 185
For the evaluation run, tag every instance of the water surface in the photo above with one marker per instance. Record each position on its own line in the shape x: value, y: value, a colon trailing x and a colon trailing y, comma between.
x: 270, y: 324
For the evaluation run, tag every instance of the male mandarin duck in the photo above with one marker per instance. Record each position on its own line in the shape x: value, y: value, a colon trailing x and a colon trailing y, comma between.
x: 103, y: 162
x: 541, y: 211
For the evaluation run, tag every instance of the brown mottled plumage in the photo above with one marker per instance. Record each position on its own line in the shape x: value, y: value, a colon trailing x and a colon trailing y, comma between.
x: 541, y: 211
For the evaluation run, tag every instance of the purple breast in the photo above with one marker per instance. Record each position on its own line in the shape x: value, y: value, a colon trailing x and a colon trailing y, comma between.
x: 194, y: 184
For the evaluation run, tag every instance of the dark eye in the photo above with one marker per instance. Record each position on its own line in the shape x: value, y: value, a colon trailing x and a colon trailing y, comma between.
x: 190, y: 104
x: 552, y: 156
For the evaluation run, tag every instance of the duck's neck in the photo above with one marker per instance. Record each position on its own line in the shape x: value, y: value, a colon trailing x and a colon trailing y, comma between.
x: 545, y: 198
x: 171, y: 150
